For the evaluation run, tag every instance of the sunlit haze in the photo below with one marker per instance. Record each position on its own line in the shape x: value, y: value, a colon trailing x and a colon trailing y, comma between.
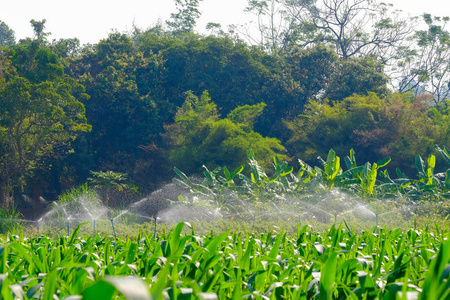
x: 91, y: 21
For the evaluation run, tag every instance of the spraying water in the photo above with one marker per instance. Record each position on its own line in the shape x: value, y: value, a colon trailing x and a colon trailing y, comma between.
x: 170, y: 204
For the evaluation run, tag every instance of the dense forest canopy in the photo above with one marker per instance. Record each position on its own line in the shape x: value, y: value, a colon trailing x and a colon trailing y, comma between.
x: 322, y: 74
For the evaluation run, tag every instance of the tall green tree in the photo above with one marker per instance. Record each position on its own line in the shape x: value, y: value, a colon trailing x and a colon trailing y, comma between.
x: 351, y: 27
x: 323, y: 74
x: 357, y: 75
x: 7, y: 36
x: 273, y: 28
x: 65, y: 48
x: 40, y: 113
x: 127, y: 108
x: 38, y: 29
x: 425, y: 68
x: 233, y: 73
x: 184, y: 20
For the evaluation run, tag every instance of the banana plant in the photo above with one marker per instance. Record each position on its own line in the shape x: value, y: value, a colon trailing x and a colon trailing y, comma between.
x: 331, y: 169
x: 369, y: 175
x: 361, y: 179
x: 258, y: 178
x: 426, y: 172
x: 427, y: 182
x: 187, y: 183
x: 282, y: 181
x: 305, y: 173
x: 446, y: 175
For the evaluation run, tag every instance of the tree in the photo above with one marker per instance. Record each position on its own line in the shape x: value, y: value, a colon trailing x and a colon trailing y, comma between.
x: 127, y: 109
x: 183, y: 21
x: 274, y: 26
x: 199, y: 137
x: 66, y: 47
x: 323, y: 74
x: 356, y: 75
x: 39, y: 115
x: 358, y: 27
x: 234, y: 74
x: 246, y: 114
x: 399, y: 126
x: 312, y: 68
x: 425, y: 69
x: 109, y: 181
x: 7, y: 37
x: 38, y: 28
x: 352, y: 27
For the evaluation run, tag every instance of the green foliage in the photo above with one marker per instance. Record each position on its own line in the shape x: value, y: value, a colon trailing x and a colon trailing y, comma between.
x: 136, y: 83
x: 425, y: 68
x: 66, y: 48
x: 335, y: 123
x: 10, y: 221
x: 323, y: 74
x: 126, y: 109
x: 399, y: 126
x: 358, y: 75
x: 183, y: 21
x: 234, y: 74
x: 7, y: 36
x: 369, y: 182
x: 246, y: 114
x: 40, y: 114
x: 77, y: 193
x: 38, y: 29
x: 109, y: 179
x: 199, y: 137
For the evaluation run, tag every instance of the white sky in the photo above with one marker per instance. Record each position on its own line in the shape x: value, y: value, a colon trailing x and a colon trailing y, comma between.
x: 92, y: 20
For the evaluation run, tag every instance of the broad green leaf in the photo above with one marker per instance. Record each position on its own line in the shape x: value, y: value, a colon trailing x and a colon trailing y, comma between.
x: 420, y: 165
x: 383, y: 162
x: 276, y: 247
x: 445, y: 153
x: 100, y: 290
x: 50, y: 285
x: 328, y: 277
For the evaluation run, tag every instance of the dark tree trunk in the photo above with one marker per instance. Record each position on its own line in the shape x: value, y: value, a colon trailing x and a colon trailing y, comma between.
x: 6, y: 199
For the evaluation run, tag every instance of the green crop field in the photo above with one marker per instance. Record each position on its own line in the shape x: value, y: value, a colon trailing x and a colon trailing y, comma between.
x: 317, y: 234
x: 335, y: 264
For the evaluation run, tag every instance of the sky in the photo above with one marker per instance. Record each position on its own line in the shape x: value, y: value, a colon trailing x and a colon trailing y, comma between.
x: 92, y: 20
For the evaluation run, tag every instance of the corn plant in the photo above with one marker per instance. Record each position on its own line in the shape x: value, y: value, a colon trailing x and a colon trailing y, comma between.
x: 339, y: 263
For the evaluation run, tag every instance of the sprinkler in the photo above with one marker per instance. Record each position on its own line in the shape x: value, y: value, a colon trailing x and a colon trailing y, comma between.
x: 114, y: 230
x: 376, y: 222
x: 299, y: 220
x: 37, y: 225
x: 335, y: 219
x: 68, y: 227
x: 94, y: 230
x: 254, y: 220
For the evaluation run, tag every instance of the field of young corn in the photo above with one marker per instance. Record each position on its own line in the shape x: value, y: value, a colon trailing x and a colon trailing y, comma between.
x: 335, y: 264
